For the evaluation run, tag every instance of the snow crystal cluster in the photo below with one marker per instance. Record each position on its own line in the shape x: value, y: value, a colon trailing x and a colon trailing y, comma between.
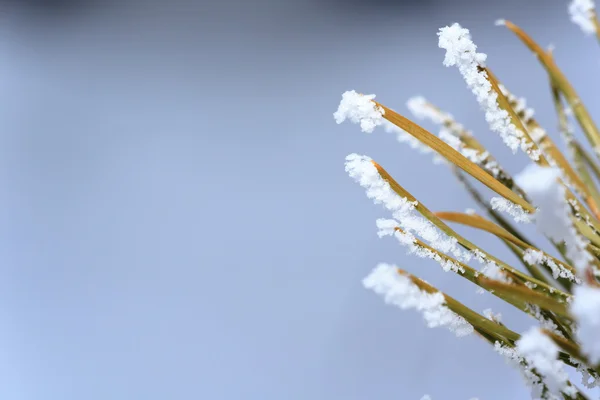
x: 525, y: 113
x: 520, y: 104
x: 489, y: 314
x: 359, y: 109
x: 513, y: 358
x: 399, y: 290
x: 362, y: 169
x: 514, y: 210
x: 541, y: 353
x: 587, y: 379
x: 545, y: 323
x: 582, y: 14
x: 525, y: 354
x: 389, y: 227
x: 535, y: 257
x: 462, y: 53
x: 490, y: 269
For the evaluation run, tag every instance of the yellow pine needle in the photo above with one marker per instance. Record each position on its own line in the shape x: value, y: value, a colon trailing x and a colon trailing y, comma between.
x: 474, y: 276
x: 479, y: 222
x: 583, y: 117
x: 548, y: 146
x: 588, y: 159
x: 499, y: 218
x: 581, y: 179
x: 504, y: 104
x: 454, y: 157
x: 478, y: 321
x: 542, y: 161
x: 524, y: 294
x: 582, y: 214
x: 461, y: 240
x: 470, y: 142
x: 469, y: 273
x: 533, y: 269
x: 567, y: 346
x: 596, y: 24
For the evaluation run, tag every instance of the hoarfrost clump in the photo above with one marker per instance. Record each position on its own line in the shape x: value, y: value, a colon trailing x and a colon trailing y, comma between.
x: 362, y: 169
x: 533, y: 257
x: 512, y: 209
x: 520, y: 106
x: 462, y: 53
x: 545, y: 323
x: 399, y: 290
x: 489, y: 314
x: 587, y: 379
x: 536, y: 257
x: 582, y: 14
x: 389, y: 227
x: 586, y: 309
x: 490, y: 269
x: 512, y: 357
x: 359, y: 109
x: 553, y: 217
x: 541, y: 353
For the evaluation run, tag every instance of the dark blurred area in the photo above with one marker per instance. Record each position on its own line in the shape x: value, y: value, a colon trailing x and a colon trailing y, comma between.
x: 382, y: 7
x: 53, y: 8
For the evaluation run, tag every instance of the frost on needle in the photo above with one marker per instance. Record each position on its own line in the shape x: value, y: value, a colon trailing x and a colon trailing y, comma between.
x: 462, y: 53
x: 363, y: 170
x: 399, y: 290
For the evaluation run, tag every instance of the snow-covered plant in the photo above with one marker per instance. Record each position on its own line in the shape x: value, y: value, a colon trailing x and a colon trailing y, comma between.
x: 560, y: 292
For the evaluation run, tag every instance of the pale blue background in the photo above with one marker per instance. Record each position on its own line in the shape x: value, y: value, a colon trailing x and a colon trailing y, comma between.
x: 176, y: 222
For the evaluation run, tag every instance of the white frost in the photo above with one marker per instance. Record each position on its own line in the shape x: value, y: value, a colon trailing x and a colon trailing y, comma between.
x: 359, y: 109
x: 362, y: 169
x: 535, y: 257
x: 514, y: 210
x: 489, y: 314
x: 513, y: 358
x: 541, y: 353
x: 387, y: 227
x: 582, y: 14
x: 462, y: 53
x: 399, y: 290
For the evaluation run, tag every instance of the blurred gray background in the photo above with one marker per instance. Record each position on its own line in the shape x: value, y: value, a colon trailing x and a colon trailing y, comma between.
x: 176, y: 222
